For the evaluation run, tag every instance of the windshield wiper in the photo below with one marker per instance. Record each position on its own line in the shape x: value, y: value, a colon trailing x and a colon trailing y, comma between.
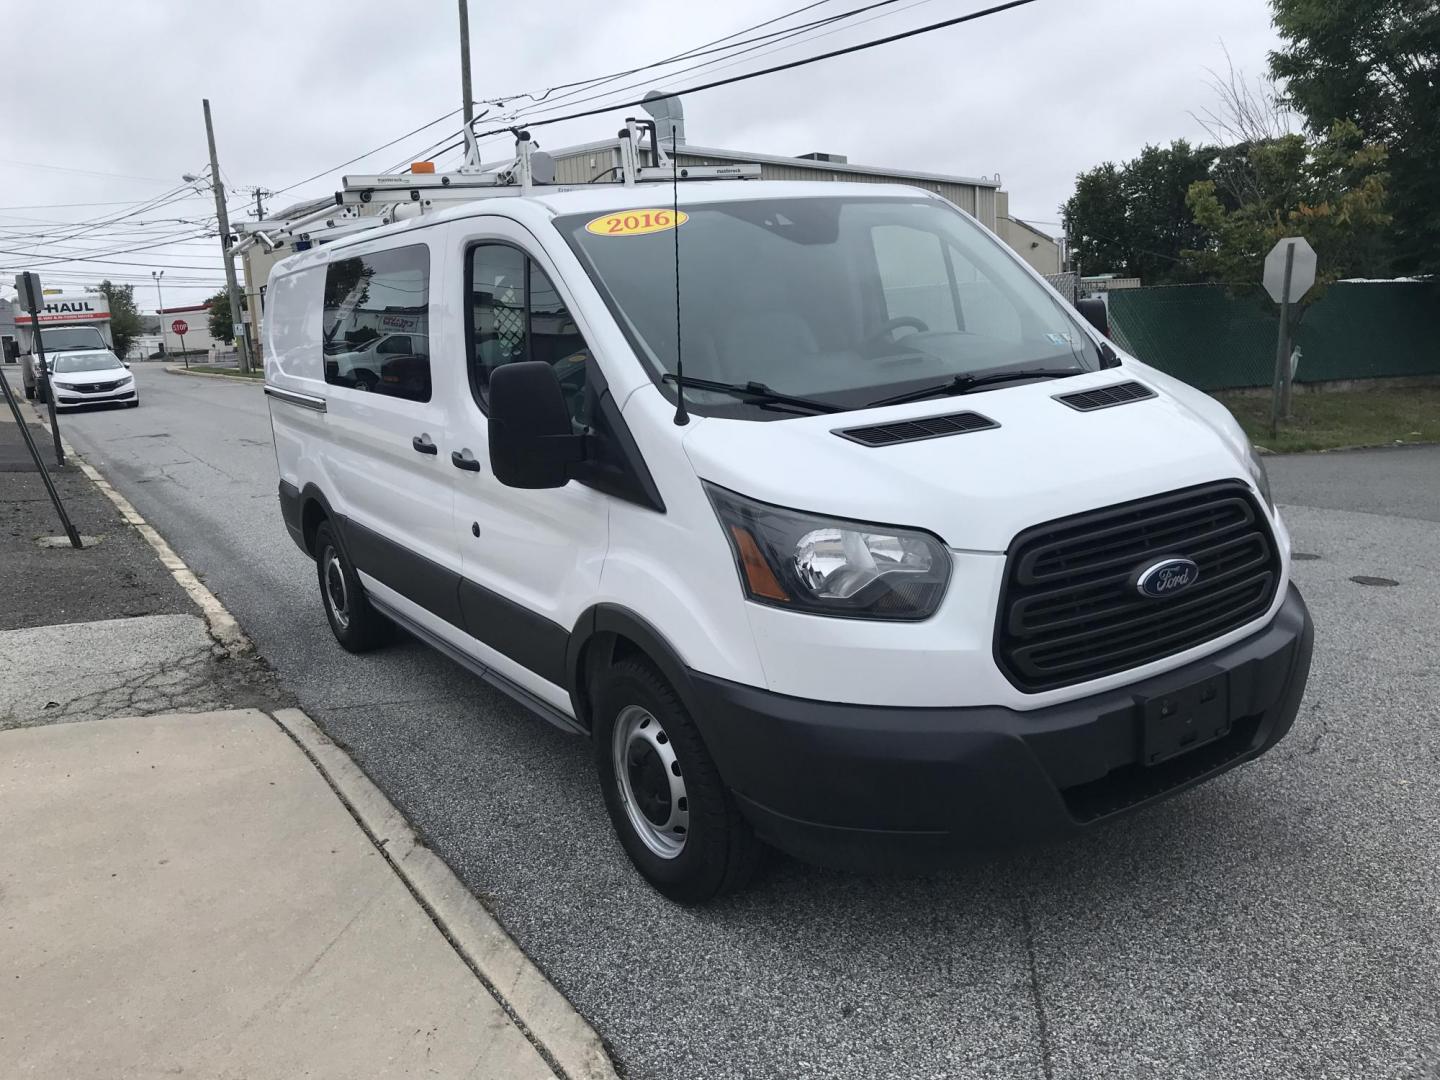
x: 963, y: 384
x: 757, y: 393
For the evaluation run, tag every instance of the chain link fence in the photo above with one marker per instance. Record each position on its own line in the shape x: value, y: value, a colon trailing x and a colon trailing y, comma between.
x: 1066, y: 284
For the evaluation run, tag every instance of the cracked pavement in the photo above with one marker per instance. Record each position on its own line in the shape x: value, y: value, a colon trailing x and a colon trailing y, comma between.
x: 1280, y: 922
x: 104, y: 631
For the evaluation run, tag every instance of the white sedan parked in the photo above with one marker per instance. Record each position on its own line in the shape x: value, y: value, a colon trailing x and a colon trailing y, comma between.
x: 96, y: 377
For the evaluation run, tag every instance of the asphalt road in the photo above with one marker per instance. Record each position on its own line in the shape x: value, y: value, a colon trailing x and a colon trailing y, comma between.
x: 1283, y: 921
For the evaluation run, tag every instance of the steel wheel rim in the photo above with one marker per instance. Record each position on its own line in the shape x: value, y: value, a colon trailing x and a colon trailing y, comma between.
x: 337, y: 599
x: 652, y: 786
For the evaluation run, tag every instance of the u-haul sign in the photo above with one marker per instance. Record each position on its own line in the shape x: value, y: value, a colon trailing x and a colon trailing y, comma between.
x: 90, y: 307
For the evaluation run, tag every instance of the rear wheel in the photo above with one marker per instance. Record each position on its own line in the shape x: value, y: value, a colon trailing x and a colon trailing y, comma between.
x: 672, y: 812
x: 357, y: 626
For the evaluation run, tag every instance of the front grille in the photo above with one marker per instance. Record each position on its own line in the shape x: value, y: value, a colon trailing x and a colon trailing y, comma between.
x: 926, y: 427
x: 98, y: 388
x: 1069, y: 609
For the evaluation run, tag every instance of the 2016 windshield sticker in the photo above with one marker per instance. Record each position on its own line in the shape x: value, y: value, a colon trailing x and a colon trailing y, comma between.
x: 636, y: 222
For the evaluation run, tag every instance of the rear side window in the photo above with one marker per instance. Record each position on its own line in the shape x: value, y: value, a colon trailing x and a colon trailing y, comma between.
x: 376, y: 327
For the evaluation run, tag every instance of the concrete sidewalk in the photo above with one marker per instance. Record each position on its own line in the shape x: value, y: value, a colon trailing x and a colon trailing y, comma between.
x: 187, y: 895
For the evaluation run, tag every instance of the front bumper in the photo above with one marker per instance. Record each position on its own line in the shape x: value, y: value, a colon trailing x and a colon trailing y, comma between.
x: 877, y: 788
x: 71, y: 398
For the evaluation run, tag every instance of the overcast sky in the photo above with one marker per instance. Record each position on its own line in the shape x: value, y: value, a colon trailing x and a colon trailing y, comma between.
x: 1034, y: 95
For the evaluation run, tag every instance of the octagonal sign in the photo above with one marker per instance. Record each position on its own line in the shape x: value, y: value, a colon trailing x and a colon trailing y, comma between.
x: 1302, y: 272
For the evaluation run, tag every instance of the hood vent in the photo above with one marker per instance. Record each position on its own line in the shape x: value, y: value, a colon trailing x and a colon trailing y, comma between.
x: 1102, y: 397
x: 926, y: 427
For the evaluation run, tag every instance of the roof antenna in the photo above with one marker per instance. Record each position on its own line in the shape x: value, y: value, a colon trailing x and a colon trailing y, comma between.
x: 681, y: 416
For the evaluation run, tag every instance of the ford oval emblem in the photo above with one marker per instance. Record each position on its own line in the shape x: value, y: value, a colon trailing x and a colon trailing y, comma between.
x: 1167, y: 577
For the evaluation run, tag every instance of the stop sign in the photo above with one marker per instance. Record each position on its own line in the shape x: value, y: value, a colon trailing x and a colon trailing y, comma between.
x: 180, y: 326
x: 1302, y: 269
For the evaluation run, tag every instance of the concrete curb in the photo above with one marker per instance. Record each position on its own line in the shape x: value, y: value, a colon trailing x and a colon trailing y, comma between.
x: 212, y: 375
x: 561, y: 1035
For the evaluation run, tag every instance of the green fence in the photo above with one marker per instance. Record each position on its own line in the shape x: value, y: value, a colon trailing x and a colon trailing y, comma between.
x: 1217, y: 339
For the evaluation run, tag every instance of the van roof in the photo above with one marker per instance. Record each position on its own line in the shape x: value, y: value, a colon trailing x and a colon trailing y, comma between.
x: 598, y: 198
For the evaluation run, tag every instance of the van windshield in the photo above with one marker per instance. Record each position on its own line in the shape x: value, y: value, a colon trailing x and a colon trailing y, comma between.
x: 843, y: 300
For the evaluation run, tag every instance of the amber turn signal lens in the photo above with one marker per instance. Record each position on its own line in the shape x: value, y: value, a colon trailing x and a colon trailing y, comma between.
x: 757, y: 571
x: 422, y: 167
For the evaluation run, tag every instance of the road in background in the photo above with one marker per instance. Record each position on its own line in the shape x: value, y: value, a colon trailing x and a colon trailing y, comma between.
x: 1283, y: 921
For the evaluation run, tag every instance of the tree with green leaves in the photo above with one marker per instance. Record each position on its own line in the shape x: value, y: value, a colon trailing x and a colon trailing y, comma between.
x: 1374, y: 64
x: 1330, y: 190
x: 1094, y: 219
x: 125, y: 324
x: 222, y: 327
x: 1133, y: 219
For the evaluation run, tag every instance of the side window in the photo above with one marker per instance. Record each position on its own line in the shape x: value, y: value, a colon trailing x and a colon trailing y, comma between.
x: 367, y: 297
x: 516, y: 314
x: 914, y: 276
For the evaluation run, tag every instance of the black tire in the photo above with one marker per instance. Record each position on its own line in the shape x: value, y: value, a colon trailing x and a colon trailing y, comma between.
x: 719, y: 852
x: 357, y: 626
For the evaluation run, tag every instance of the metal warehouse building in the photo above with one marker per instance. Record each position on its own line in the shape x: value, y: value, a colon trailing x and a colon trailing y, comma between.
x: 584, y: 163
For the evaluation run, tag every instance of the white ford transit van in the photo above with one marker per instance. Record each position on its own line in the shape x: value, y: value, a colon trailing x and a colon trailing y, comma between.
x: 914, y: 562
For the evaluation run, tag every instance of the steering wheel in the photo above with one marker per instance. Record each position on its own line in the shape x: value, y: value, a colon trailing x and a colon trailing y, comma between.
x: 889, y: 326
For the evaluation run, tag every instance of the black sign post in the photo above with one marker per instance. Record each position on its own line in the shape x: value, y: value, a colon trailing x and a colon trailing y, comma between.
x: 35, y: 455
x: 32, y: 298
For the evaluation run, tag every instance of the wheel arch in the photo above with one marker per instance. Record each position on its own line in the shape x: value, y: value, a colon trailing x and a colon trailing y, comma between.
x: 608, y: 633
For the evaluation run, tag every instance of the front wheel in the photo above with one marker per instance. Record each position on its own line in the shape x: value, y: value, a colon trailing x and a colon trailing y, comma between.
x: 671, y: 811
x: 357, y: 626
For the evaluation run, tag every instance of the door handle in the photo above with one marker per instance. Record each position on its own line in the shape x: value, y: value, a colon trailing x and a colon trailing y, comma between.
x: 424, y: 444
x: 463, y: 459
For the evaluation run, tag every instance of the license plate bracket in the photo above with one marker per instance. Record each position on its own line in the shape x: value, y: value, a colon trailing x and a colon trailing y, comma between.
x: 1184, y: 719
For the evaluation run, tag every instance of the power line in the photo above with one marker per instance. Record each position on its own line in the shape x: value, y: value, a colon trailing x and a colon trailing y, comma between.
x: 705, y: 50
x: 368, y: 153
x: 733, y: 50
x: 858, y: 47
x: 82, y: 172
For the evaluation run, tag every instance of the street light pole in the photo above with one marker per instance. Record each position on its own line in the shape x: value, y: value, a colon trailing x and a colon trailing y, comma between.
x: 160, y: 311
x: 218, y: 186
x: 466, y: 98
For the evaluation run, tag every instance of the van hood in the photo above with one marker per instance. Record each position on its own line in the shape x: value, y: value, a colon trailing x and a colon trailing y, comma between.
x: 976, y: 490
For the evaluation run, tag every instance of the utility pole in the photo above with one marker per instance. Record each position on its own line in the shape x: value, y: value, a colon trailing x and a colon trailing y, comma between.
x: 467, y: 100
x: 260, y: 194
x: 160, y: 311
x: 218, y: 186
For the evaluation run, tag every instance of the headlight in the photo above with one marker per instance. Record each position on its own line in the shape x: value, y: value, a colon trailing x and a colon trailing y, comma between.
x: 827, y: 566
x: 63, y: 385
x: 124, y: 379
x: 1257, y: 473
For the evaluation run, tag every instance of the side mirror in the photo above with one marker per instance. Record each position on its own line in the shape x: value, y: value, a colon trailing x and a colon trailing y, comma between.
x: 1096, y: 313
x: 532, y: 443
x: 126, y: 363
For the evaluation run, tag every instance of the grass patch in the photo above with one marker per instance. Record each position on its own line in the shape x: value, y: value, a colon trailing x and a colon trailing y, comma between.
x: 1326, y: 421
x: 205, y: 369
